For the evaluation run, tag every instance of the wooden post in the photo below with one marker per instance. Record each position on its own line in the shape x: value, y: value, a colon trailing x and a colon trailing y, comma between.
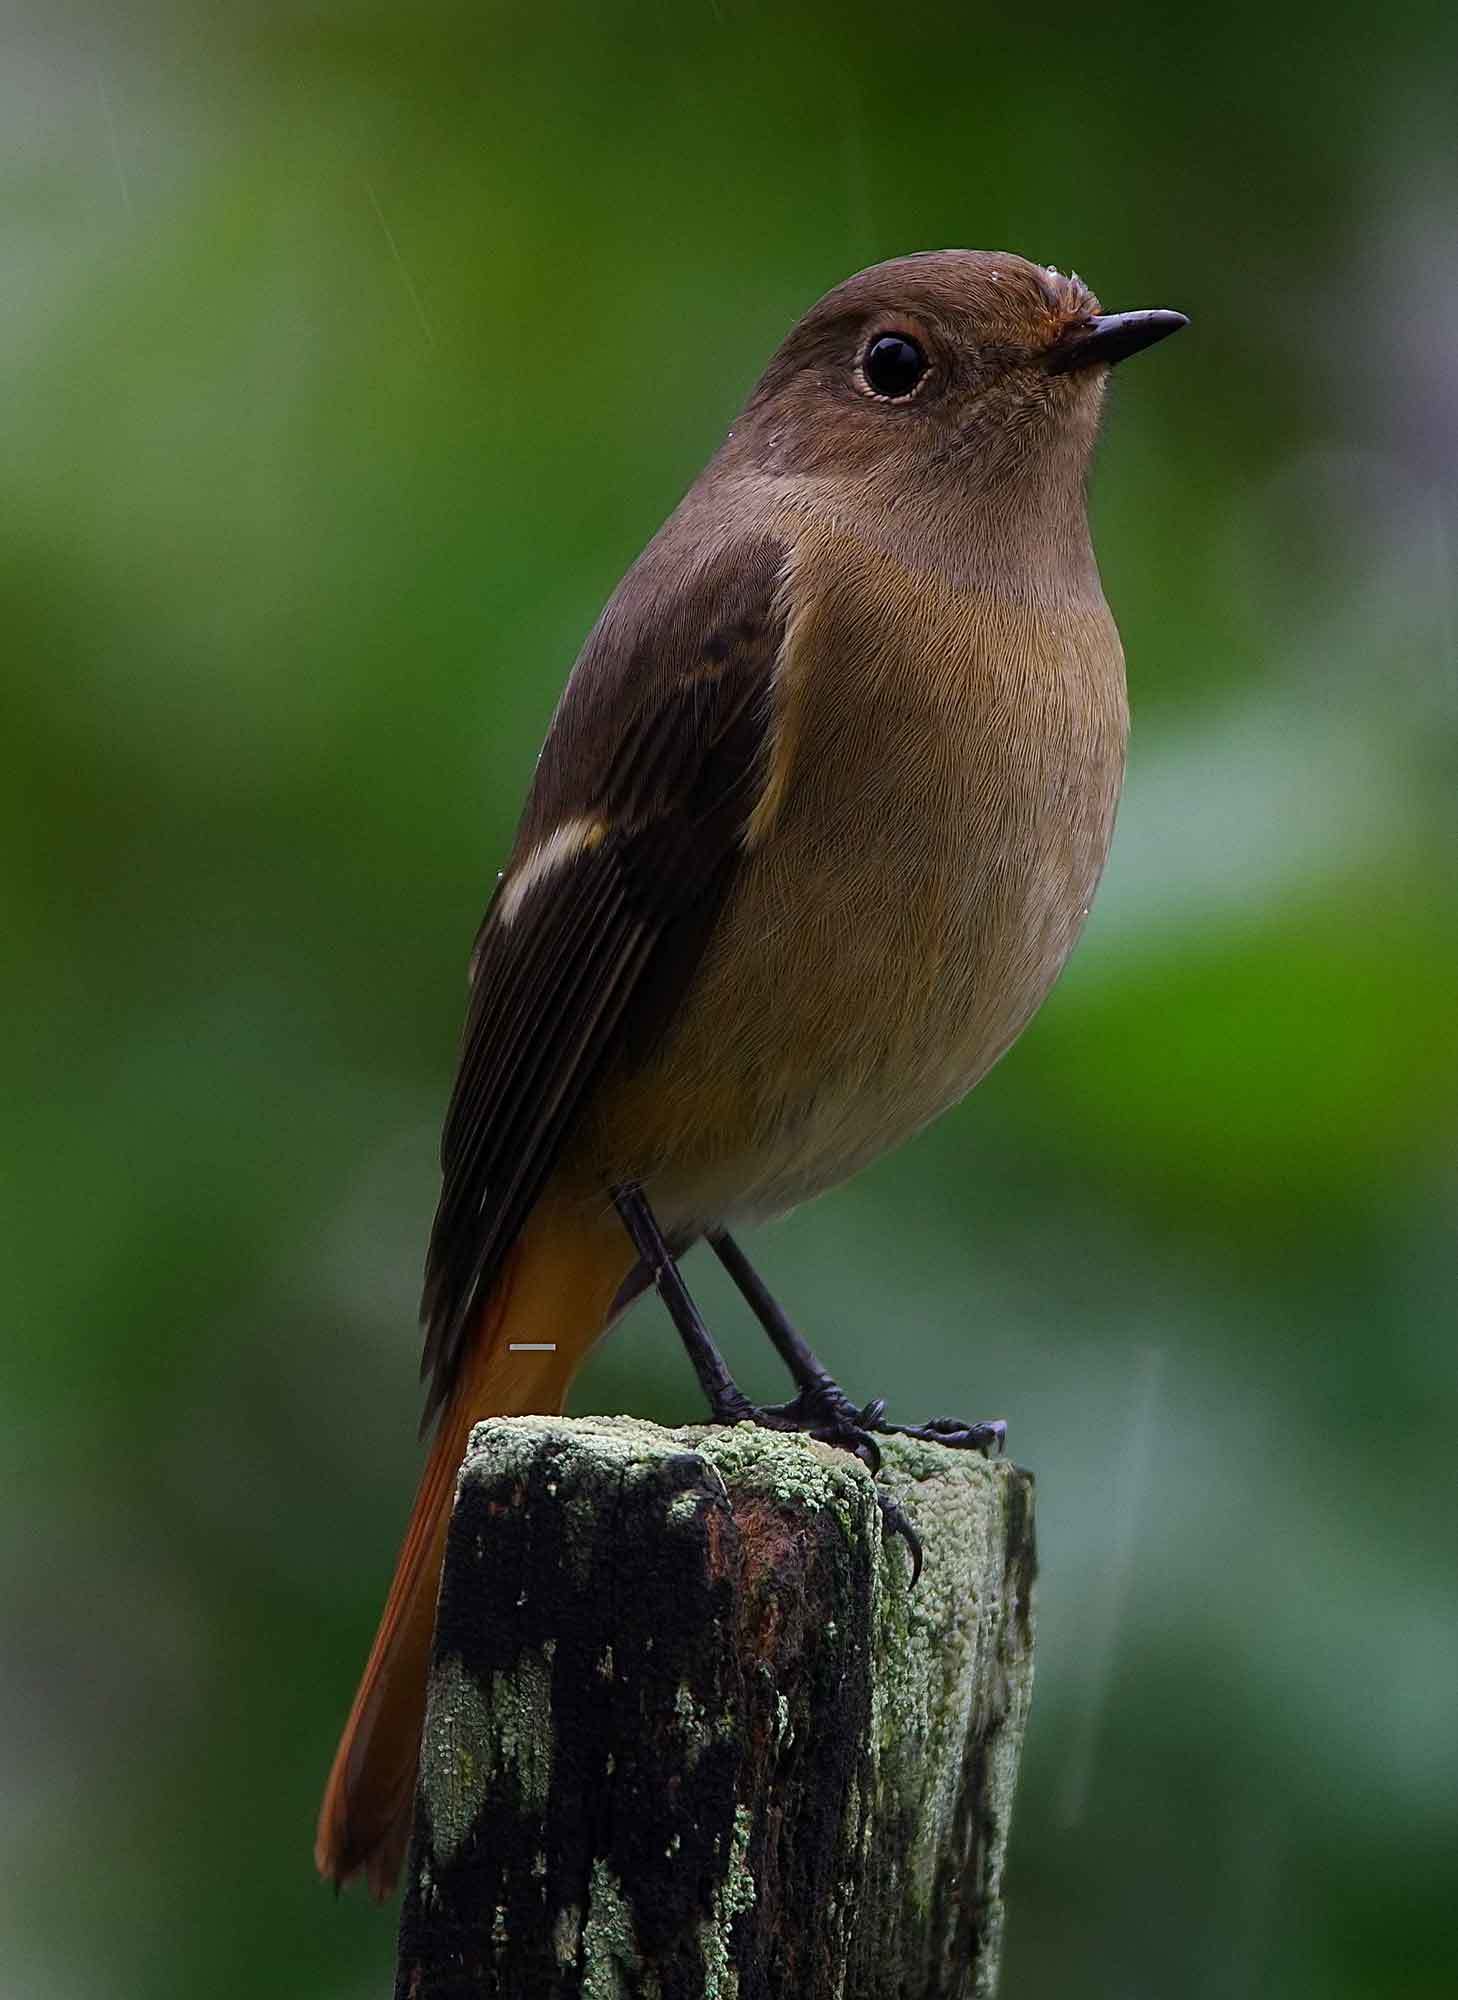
x: 691, y: 1736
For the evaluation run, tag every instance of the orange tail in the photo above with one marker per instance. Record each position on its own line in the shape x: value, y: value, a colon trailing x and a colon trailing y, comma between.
x: 558, y: 1285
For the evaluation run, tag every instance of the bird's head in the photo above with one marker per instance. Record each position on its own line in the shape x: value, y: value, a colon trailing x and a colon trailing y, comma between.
x: 966, y: 365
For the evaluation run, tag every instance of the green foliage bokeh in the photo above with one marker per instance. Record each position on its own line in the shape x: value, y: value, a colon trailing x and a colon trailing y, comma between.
x: 350, y: 352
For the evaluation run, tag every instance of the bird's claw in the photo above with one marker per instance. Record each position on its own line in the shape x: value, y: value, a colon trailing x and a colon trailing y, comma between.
x: 895, y: 1521
x: 956, y: 1434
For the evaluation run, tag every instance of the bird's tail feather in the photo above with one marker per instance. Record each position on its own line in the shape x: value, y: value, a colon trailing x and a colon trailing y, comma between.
x: 556, y: 1292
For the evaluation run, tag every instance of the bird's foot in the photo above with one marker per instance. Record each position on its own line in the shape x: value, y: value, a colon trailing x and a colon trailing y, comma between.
x: 822, y: 1409
x: 828, y: 1418
x: 988, y: 1438
x: 824, y: 1412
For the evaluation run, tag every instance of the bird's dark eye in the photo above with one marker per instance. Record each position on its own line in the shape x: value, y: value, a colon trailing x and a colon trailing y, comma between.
x: 893, y: 364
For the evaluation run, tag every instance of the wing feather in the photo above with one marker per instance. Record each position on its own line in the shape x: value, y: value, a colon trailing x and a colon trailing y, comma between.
x: 659, y: 742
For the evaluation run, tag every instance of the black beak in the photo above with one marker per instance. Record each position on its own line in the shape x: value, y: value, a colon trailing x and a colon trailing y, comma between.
x: 1112, y: 337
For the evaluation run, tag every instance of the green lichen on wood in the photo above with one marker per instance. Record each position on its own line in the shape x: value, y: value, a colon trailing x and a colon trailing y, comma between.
x: 953, y: 1687
x: 610, y: 1941
x: 456, y: 1769
x: 473, y: 1733
x: 787, y: 1764
x: 794, y: 1470
x: 735, y: 1893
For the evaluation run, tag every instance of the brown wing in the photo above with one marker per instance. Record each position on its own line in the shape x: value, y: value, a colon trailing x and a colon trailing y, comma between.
x: 627, y: 848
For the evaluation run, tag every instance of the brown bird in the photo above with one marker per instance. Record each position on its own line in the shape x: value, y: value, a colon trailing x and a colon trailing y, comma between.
x: 815, y: 827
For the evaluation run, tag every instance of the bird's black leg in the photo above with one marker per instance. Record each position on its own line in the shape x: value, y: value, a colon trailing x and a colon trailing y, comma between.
x: 821, y: 1398
x: 821, y: 1410
x: 728, y: 1403
x: 822, y: 1405
x: 819, y: 1391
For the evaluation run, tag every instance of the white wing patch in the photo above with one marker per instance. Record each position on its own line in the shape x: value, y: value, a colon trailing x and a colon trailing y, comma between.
x: 574, y: 836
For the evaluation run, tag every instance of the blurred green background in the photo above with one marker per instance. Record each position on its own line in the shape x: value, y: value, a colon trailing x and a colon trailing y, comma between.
x: 349, y: 355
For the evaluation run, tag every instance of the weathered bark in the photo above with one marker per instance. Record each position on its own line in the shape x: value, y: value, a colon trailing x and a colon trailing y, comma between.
x: 692, y: 1737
